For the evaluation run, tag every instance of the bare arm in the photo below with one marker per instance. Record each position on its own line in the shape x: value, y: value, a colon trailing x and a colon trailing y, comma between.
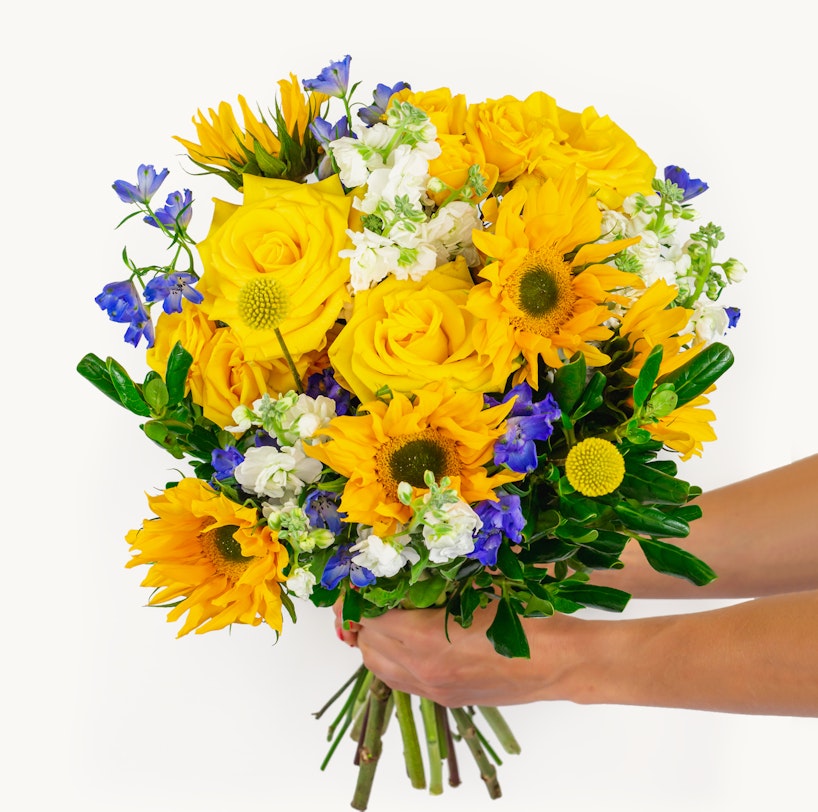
x: 760, y: 535
x: 756, y: 657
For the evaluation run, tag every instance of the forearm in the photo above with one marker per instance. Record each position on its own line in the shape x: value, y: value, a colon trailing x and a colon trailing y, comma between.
x: 756, y: 657
x: 759, y: 535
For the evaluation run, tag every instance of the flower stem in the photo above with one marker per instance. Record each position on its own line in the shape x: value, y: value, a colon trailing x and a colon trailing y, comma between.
x: 427, y: 709
x: 451, y: 755
x: 487, y: 770
x: 501, y: 729
x: 371, y: 749
x: 290, y: 363
x: 409, y: 735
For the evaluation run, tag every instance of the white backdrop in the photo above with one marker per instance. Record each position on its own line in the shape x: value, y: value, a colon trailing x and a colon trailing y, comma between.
x: 102, y: 708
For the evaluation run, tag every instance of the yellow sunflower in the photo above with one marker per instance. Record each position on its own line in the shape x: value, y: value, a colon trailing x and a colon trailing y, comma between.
x: 445, y: 431
x: 685, y: 429
x: 224, y: 142
x: 209, y: 554
x: 272, y: 266
x: 543, y: 280
x: 651, y: 322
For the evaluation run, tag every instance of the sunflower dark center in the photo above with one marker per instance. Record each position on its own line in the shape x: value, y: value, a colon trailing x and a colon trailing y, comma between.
x: 411, y: 461
x: 539, y: 291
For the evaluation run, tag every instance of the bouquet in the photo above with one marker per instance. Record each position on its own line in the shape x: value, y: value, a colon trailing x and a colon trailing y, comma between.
x: 430, y: 352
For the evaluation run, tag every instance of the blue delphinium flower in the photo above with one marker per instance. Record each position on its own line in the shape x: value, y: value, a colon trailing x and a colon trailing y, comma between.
x: 147, y: 182
x: 341, y: 565
x: 225, y: 461
x: 141, y: 325
x: 333, y: 80
x: 171, y: 289
x: 500, y: 519
x: 120, y: 300
x: 528, y: 421
x: 325, y: 133
x: 733, y: 315
x: 175, y: 214
x: 323, y: 383
x: 321, y: 508
x: 691, y: 187
x: 381, y: 95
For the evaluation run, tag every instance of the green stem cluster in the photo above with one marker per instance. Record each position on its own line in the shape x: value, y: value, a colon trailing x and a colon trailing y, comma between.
x: 365, y: 714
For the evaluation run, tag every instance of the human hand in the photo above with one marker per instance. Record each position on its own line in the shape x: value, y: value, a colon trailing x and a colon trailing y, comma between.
x: 409, y: 651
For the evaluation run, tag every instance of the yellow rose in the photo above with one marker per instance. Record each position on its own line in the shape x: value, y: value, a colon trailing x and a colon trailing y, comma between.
x: 446, y: 112
x: 452, y: 166
x: 272, y: 270
x: 220, y: 377
x: 508, y: 131
x: 601, y: 150
x: 407, y: 334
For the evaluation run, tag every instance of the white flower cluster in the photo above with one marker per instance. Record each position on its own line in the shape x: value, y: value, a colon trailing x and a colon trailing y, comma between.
x: 402, y: 235
x: 664, y: 253
x: 281, y: 473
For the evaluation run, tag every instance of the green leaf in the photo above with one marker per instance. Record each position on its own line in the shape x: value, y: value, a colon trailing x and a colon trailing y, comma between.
x: 155, y: 392
x: 352, y: 606
x: 569, y: 383
x: 508, y: 563
x: 425, y: 593
x: 698, y: 374
x: 93, y: 369
x: 671, y: 560
x: 591, y: 595
x: 650, y: 485
x: 651, y: 520
x: 647, y: 377
x: 506, y: 632
x: 179, y: 362
x: 592, y: 397
x: 156, y: 431
x: 129, y: 395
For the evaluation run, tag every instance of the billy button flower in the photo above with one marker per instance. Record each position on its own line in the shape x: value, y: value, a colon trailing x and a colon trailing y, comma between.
x: 595, y: 467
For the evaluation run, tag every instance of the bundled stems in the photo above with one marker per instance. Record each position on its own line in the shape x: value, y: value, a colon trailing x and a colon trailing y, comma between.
x: 411, y: 744
x: 370, y: 749
x: 427, y: 710
x: 500, y: 729
x: 469, y: 733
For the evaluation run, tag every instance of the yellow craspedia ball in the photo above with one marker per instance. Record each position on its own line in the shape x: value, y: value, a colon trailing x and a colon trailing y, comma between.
x: 595, y: 467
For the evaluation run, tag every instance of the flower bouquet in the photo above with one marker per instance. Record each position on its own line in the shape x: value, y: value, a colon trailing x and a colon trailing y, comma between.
x: 432, y: 353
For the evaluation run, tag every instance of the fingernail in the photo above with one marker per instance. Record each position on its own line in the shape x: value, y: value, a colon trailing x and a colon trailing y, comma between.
x: 340, y: 635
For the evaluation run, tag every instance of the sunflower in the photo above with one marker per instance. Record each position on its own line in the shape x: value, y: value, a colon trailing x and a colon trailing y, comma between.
x: 445, y: 431
x: 224, y: 142
x: 542, y: 279
x: 209, y: 558
x: 685, y: 429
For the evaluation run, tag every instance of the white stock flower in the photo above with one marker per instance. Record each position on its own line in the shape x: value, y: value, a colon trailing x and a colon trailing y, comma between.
x: 709, y: 321
x: 449, y: 231
x: 382, y: 558
x: 278, y: 474
x: 448, y: 532
x: 406, y: 174
x: 371, y: 259
x: 300, y: 583
x: 310, y: 414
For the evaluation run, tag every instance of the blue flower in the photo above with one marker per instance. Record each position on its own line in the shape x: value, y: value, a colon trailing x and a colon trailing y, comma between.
x: 175, y: 214
x: 170, y: 289
x: 323, y: 383
x: 147, y: 182
x: 341, y: 565
x: 141, y: 325
x: 325, y: 133
x: 506, y: 514
x: 333, y: 80
x: 381, y: 95
x: 733, y: 315
x: 691, y: 187
x: 120, y: 299
x: 322, y: 509
x: 225, y: 461
x: 486, y: 545
x: 528, y: 421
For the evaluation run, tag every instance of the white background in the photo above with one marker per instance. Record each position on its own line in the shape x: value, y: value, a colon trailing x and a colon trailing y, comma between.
x: 102, y: 708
